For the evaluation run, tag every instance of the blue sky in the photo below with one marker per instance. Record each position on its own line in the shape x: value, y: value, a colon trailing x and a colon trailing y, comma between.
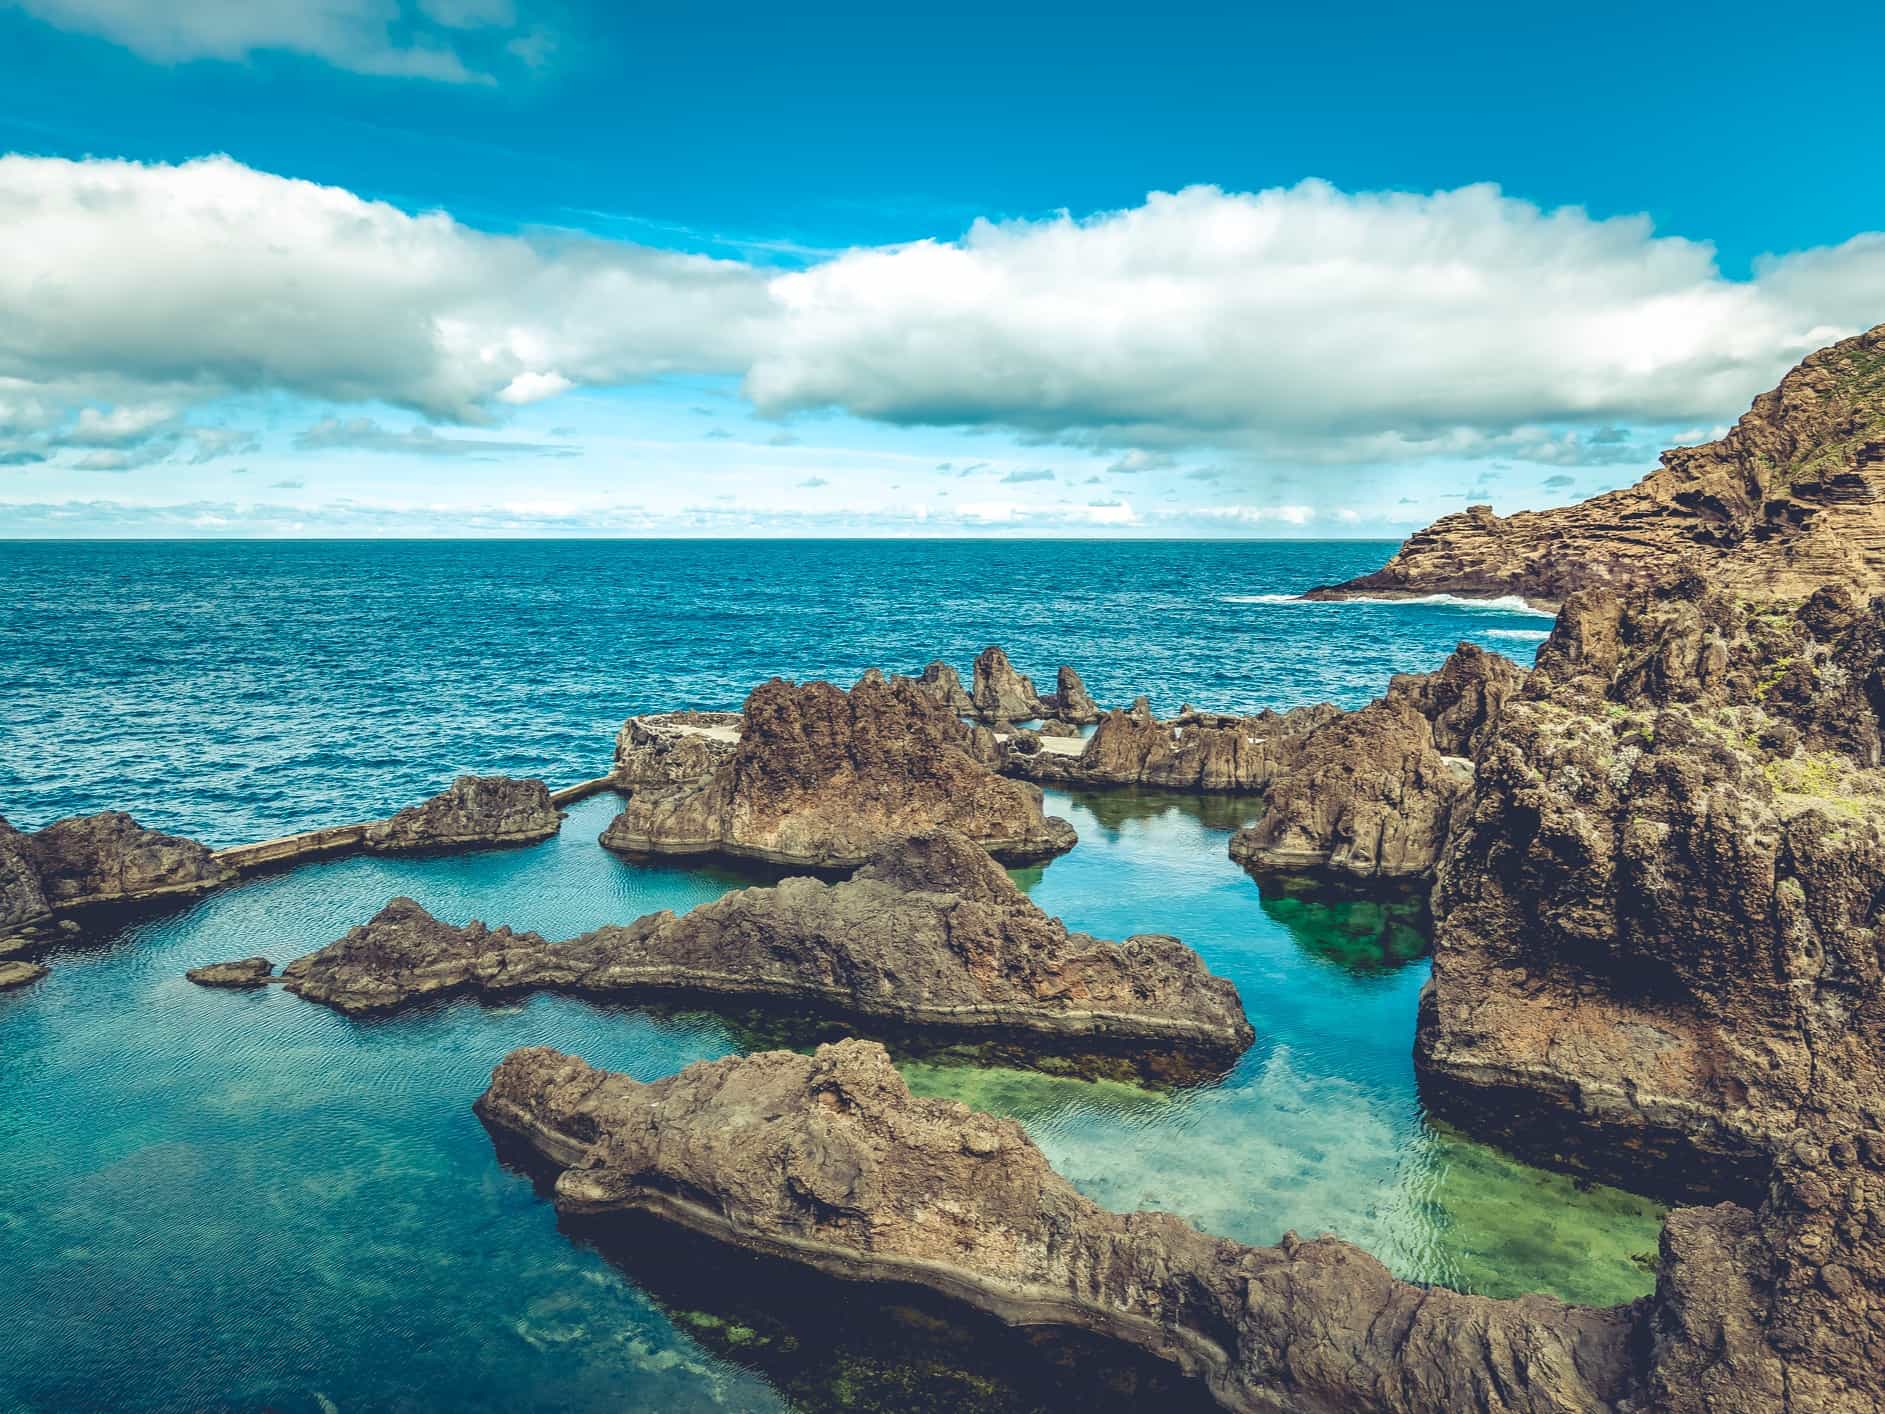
x: 400, y: 267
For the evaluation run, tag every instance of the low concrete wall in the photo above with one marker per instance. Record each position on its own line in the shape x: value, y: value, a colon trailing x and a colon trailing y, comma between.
x: 346, y: 839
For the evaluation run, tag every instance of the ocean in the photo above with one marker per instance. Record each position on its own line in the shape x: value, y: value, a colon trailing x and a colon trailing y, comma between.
x: 241, y: 1200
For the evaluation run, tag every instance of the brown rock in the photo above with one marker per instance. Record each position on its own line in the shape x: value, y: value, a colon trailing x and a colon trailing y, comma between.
x: 23, y: 906
x: 1071, y: 701
x: 941, y: 684
x: 1000, y: 693
x: 1791, y: 499
x: 822, y: 778
x: 828, y: 1160
x: 1657, y: 941
x: 250, y: 972
x: 109, y: 858
x: 931, y: 933
x: 17, y: 974
x: 1193, y: 751
x: 673, y: 748
x: 476, y: 810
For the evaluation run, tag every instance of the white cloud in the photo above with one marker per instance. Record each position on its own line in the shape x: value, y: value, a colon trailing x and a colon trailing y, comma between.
x: 1303, y: 314
x: 357, y: 35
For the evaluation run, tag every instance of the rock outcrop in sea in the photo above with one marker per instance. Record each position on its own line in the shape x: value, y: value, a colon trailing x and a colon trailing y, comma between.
x: 822, y: 778
x: 1070, y: 701
x: 931, y: 933
x: 89, y: 861
x: 944, y: 687
x: 475, y: 811
x: 828, y: 1160
x: 1192, y: 751
x: 1791, y: 499
x: 1000, y: 694
x: 248, y: 972
x: 17, y: 973
x: 1657, y: 927
x: 672, y: 748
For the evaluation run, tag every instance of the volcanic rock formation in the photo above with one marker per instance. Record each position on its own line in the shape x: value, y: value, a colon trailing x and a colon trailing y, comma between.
x: 672, y: 748
x: 1788, y: 501
x: 1070, y: 701
x: 1001, y: 694
x: 1658, y: 928
x: 828, y: 1160
x: 945, y: 689
x: 18, y: 974
x: 931, y: 933
x: 249, y: 972
x: 821, y: 778
x: 1193, y: 751
x: 476, y: 810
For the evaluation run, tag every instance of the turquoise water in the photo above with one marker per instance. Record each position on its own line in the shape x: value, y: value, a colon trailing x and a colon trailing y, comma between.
x: 240, y: 1200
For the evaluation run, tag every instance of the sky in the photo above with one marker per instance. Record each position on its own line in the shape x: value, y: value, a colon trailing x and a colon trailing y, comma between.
x: 536, y: 267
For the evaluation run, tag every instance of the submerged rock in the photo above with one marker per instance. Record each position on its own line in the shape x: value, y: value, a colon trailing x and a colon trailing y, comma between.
x: 476, y: 810
x: 822, y: 778
x: 930, y: 933
x: 18, y: 974
x: 1070, y: 701
x: 109, y: 858
x: 1000, y: 693
x: 1657, y: 932
x: 250, y: 972
x: 672, y: 748
x: 1791, y: 499
x: 828, y: 1160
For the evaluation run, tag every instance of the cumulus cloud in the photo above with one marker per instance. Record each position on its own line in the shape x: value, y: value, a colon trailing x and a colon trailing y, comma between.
x: 1304, y: 313
x: 364, y: 434
x: 356, y: 35
x: 1137, y: 461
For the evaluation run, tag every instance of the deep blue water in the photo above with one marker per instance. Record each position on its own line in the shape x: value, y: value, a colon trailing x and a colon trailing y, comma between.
x: 217, y: 1200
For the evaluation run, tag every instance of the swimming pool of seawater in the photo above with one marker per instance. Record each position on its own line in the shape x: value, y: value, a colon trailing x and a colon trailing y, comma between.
x: 219, y: 1199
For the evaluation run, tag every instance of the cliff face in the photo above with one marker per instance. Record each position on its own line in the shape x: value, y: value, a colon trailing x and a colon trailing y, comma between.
x: 822, y: 778
x: 1789, y: 500
x: 931, y: 933
x: 1658, y: 929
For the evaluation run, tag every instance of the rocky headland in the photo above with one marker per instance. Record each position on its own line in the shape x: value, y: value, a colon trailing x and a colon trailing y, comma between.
x: 87, y: 862
x: 821, y: 778
x: 931, y: 933
x: 1657, y: 925
x: 829, y: 1161
x: 1791, y: 499
x: 475, y: 811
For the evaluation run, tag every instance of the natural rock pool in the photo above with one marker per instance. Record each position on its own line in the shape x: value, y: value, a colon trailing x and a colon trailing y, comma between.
x: 238, y: 1199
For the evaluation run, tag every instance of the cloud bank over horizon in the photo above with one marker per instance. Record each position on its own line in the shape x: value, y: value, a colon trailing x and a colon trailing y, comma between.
x: 1202, y: 337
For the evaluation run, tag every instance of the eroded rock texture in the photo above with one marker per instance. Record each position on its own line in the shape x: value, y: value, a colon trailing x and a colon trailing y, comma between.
x: 942, y: 685
x: 1193, y: 751
x: 23, y: 905
x: 823, y: 777
x: 1000, y: 694
x: 110, y: 858
x: 476, y: 810
x: 671, y: 748
x: 1071, y: 702
x: 1657, y: 943
x: 249, y: 972
x: 829, y: 1160
x: 930, y: 933
x: 1791, y: 499
x: 1373, y: 794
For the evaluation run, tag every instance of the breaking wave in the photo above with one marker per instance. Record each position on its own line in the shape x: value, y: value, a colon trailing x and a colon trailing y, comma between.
x: 1503, y: 604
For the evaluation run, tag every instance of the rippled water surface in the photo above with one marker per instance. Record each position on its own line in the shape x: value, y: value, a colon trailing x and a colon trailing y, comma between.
x: 218, y: 1199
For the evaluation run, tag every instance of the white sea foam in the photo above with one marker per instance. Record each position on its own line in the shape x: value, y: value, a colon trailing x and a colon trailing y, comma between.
x: 1533, y: 635
x: 1503, y: 604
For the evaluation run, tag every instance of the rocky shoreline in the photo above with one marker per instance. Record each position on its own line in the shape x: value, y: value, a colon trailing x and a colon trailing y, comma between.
x: 829, y: 1161
x: 930, y: 934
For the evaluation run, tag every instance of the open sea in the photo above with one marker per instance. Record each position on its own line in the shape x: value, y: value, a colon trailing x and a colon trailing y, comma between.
x: 218, y: 1200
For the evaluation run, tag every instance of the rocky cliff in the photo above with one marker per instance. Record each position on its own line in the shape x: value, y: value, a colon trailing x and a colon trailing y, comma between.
x: 999, y: 693
x: 1657, y: 930
x: 822, y: 778
x: 829, y: 1161
x: 930, y: 933
x: 475, y: 810
x: 673, y: 748
x: 1788, y: 501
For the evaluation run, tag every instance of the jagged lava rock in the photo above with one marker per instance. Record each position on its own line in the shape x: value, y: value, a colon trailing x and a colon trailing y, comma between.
x: 943, y: 686
x: 1372, y: 794
x: 822, y: 778
x: 1193, y: 751
x: 1792, y: 498
x: 249, y: 972
x: 828, y: 1160
x: 23, y: 906
x: 476, y: 810
x: 1070, y: 701
x: 1000, y: 694
x: 1657, y: 932
x: 671, y: 748
x: 932, y: 932
x: 109, y: 858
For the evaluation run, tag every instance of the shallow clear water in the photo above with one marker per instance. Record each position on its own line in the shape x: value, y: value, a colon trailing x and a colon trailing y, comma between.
x: 218, y: 1199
